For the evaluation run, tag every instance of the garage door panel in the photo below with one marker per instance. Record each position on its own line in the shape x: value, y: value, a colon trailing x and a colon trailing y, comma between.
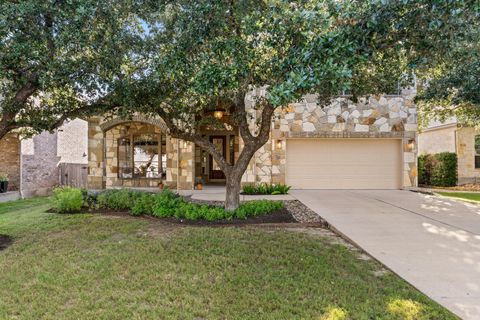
x: 343, y: 163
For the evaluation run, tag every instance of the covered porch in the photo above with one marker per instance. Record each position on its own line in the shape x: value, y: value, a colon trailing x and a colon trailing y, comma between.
x: 139, y: 153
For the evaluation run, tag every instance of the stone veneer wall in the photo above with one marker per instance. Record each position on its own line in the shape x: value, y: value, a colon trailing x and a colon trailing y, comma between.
x: 95, y: 154
x: 179, y: 155
x: 375, y: 117
x: 10, y: 160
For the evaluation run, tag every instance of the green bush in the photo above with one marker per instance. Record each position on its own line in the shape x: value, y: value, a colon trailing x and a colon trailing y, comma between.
x: 257, y: 207
x: 68, y: 199
x: 265, y: 188
x: 438, y: 170
x: 169, y: 204
x: 249, y: 189
x: 166, y: 203
x: 118, y: 199
x: 143, y: 204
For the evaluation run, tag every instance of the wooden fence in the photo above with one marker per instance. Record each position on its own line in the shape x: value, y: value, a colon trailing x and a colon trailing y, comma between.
x: 73, y: 175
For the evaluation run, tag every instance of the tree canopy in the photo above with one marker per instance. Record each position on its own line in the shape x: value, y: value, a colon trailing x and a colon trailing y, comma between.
x: 58, y: 57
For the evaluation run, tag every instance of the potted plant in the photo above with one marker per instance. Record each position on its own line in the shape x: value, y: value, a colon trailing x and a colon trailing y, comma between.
x: 199, y: 182
x: 3, y: 183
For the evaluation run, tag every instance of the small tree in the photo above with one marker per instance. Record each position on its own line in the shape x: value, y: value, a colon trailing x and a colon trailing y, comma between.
x: 209, y: 52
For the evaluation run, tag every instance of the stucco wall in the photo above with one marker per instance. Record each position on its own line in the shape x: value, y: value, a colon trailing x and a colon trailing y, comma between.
x: 73, y: 142
x: 39, y: 164
x: 437, y: 140
x: 10, y: 160
x: 466, y: 156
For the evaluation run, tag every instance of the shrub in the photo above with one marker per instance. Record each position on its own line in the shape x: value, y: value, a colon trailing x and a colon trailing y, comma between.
x: 249, y: 189
x: 257, y: 207
x: 143, y: 205
x: 118, y: 199
x: 166, y: 204
x: 438, y: 170
x: 265, y: 188
x: 68, y: 199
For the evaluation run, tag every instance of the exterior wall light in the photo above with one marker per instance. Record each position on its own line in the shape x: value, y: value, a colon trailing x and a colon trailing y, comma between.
x: 218, y: 114
x: 411, y: 145
x: 279, y: 144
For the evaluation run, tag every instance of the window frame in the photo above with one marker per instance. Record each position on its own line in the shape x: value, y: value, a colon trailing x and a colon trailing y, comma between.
x: 131, y: 137
x: 476, y: 156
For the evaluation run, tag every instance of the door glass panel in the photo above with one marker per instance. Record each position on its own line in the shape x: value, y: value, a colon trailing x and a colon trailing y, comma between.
x: 218, y: 142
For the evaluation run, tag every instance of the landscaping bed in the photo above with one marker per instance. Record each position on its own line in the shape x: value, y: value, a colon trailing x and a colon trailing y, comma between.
x: 182, y: 210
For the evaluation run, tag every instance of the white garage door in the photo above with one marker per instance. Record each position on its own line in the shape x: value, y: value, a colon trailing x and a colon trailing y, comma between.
x: 344, y: 163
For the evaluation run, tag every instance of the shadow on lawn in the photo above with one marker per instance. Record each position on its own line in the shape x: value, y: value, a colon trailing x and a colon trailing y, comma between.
x: 5, y: 242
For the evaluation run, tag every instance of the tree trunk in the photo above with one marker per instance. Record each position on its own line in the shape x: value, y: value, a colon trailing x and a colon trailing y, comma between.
x: 232, y: 199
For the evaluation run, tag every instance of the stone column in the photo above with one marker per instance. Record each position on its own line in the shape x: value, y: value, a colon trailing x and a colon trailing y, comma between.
x: 180, y: 164
x: 95, y: 178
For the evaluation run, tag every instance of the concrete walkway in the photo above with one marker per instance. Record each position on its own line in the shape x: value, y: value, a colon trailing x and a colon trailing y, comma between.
x: 9, y: 196
x: 217, y: 193
x: 432, y: 242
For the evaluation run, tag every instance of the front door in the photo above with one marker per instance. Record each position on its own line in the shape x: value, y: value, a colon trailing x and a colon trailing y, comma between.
x: 220, y: 143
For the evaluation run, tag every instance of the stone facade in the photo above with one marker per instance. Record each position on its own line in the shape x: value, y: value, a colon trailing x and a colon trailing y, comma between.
x: 376, y: 117
x: 103, y: 136
x: 10, y: 160
x: 384, y: 117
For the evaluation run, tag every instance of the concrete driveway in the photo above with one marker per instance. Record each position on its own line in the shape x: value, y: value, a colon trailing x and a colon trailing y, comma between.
x: 432, y: 242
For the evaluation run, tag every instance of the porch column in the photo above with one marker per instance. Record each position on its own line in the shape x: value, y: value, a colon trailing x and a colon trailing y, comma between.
x: 180, y: 164
x: 95, y: 155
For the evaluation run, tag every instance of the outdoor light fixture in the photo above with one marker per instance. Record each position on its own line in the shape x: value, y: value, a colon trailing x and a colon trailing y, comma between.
x: 218, y: 114
x: 279, y: 144
x: 411, y: 145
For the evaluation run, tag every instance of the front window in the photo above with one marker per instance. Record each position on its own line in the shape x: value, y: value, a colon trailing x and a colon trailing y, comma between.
x: 142, y: 156
x: 477, y: 152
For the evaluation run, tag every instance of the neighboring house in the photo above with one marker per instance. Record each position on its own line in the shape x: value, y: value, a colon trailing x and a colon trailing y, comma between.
x: 366, y: 145
x: 450, y: 136
x: 33, y: 164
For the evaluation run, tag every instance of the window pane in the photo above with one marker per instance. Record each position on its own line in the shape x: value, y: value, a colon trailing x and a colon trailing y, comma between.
x: 124, y: 158
x: 145, y: 156
x: 477, y: 162
x: 477, y: 144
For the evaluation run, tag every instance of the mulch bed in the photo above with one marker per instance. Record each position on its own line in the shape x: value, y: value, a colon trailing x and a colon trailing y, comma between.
x: 5, y: 242
x: 294, y: 212
x: 280, y: 216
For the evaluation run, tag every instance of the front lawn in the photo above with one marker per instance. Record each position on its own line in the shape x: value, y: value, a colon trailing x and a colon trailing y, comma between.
x: 86, y: 266
x: 469, y: 196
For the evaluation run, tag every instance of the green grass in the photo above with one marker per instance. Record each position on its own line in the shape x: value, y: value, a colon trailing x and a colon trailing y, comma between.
x: 98, y: 267
x: 469, y: 196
